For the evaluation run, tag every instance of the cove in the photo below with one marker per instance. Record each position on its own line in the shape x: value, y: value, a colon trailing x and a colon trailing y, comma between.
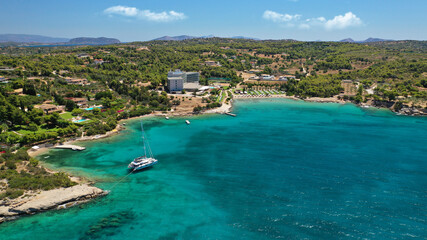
x: 281, y: 169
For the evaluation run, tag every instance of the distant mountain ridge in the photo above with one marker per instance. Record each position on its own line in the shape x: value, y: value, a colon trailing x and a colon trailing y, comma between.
x: 185, y: 37
x: 369, y: 40
x: 16, y: 39
x: 174, y: 38
x: 27, y: 38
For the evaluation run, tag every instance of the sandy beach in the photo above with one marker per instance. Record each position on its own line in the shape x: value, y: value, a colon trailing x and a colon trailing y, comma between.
x: 237, y: 96
x: 324, y: 100
x: 225, y: 107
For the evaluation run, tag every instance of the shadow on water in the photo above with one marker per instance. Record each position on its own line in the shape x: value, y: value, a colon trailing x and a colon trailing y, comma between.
x: 140, y: 170
x: 110, y: 225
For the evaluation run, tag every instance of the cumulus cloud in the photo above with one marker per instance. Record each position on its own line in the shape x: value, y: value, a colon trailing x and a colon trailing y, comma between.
x: 337, y: 23
x: 145, y: 14
x: 341, y: 22
x: 278, y: 17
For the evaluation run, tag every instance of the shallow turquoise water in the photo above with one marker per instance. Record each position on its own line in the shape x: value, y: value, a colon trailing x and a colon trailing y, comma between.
x: 280, y: 169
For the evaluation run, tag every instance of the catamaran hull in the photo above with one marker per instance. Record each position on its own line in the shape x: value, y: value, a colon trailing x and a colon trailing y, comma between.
x: 131, y: 168
x: 145, y: 161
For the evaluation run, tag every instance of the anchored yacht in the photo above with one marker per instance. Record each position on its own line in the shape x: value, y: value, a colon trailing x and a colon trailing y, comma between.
x: 145, y: 161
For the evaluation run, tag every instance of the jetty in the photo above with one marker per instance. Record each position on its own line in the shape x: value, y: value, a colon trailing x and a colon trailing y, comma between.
x: 68, y: 146
x: 230, y: 114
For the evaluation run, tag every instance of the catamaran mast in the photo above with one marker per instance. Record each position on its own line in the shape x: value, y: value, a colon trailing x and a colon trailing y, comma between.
x: 147, y: 148
x: 143, y: 139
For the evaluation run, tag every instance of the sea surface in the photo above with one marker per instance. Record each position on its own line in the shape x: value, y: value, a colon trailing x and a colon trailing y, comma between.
x: 281, y: 169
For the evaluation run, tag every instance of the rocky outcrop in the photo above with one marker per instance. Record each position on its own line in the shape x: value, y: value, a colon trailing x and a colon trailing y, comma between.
x: 400, y: 108
x: 384, y: 104
x: 412, y: 111
x: 52, y: 199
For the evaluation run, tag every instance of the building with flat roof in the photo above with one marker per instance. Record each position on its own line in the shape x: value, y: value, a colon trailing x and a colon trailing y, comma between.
x: 75, y: 81
x: 178, y: 80
x: 212, y: 64
x: 192, y: 87
x: 175, y: 84
x: 267, y: 77
x: 191, y: 77
x: 78, y: 101
x: 50, y: 108
x: 176, y: 73
x: 98, y: 61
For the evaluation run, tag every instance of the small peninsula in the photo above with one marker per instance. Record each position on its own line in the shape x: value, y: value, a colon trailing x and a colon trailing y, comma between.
x: 28, y: 188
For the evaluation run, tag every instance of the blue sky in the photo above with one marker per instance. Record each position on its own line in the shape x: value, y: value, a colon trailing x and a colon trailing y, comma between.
x: 134, y: 20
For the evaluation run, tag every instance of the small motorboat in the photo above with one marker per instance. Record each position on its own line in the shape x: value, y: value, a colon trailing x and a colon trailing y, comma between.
x: 187, y: 122
x: 167, y: 118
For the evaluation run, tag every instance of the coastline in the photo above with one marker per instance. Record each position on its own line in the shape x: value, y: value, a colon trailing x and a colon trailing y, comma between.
x: 39, y: 201
x: 225, y: 108
x: 84, y: 191
x: 405, y: 110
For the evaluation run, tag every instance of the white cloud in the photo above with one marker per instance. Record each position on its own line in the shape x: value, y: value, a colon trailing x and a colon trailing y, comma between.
x: 278, y: 17
x: 337, y: 23
x: 304, y: 26
x: 145, y: 14
x: 341, y: 22
x: 122, y: 10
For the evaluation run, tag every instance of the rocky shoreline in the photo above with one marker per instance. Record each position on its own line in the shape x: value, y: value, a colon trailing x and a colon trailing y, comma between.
x: 401, y: 110
x: 35, y: 202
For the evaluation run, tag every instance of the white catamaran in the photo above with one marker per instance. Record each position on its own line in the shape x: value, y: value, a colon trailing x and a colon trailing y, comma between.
x: 145, y: 161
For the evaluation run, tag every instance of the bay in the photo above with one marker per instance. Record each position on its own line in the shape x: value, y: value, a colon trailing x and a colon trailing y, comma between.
x: 281, y: 169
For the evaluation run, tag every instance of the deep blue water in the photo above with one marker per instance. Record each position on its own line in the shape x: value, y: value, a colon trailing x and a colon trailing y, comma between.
x: 281, y: 169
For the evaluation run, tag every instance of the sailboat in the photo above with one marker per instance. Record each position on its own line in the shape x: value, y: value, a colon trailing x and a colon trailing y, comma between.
x: 145, y: 161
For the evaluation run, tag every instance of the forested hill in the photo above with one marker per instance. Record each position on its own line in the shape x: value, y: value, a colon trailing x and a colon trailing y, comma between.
x: 127, y: 79
x: 31, y: 40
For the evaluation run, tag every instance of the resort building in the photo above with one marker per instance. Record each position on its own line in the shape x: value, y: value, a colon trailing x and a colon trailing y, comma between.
x: 78, y: 101
x: 267, y: 77
x: 83, y: 55
x: 50, y: 108
x: 191, y: 77
x: 212, y: 64
x: 175, y: 84
x: 192, y: 87
x: 176, y: 73
x: 179, y: 80
x: 254, y: 78
x: 98, y: 61
x: 75, y: 81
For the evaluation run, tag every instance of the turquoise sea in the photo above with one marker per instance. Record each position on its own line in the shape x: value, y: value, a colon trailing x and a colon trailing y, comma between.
x: 281, y: 169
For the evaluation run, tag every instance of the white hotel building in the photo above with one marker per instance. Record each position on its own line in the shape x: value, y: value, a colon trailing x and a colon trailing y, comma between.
x: 179, y: 80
